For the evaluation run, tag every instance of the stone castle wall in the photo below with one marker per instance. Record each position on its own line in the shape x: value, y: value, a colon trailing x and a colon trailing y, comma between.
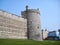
x: 27, y: 26
x: 12, y: 26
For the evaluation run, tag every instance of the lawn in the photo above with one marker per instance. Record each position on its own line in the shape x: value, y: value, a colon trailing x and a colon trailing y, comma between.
x: 27, y: 42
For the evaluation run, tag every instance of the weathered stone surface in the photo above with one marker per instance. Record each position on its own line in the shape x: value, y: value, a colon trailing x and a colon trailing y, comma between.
x: 12, y: 26
x: 33, y: 23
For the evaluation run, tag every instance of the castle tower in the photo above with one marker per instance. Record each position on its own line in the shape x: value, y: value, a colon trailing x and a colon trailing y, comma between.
x: 33, y: 23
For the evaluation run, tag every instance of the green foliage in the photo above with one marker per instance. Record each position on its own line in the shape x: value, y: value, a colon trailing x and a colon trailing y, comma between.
x: 27, y: 42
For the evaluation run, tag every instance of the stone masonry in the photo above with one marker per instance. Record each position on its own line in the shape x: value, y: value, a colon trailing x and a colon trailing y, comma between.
x: 28, y: 26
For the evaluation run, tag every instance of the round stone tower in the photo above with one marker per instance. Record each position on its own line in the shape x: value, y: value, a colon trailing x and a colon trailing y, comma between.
x: 33, y: 23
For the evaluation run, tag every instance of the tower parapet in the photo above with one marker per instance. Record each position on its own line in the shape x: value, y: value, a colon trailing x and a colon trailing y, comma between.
x: 33, y: 11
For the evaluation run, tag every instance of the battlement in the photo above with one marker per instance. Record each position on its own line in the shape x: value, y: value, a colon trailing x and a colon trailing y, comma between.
x: 32, y: 10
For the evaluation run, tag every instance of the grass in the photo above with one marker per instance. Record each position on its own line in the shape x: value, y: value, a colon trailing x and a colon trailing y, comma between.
x: 27, y: 42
